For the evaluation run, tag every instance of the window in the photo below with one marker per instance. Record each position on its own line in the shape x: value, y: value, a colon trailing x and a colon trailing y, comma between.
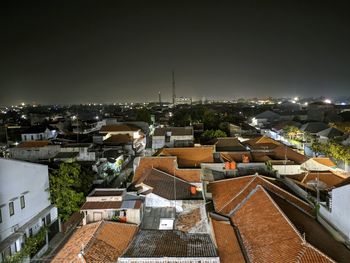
x: 23, y: 202
x: 0, y: 216
x: 30, y: 232
x: 48, y: 219
x: 11, y: 209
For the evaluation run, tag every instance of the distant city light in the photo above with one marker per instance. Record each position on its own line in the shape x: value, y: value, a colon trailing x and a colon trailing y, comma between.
x: 328, y: 101
x: 23, y: 104
x: 96, y: 117
x: 296, y: 98
x: 306, y: 103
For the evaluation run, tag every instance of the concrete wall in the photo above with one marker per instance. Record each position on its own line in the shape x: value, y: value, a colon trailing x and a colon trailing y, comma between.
x: 35, y: 153
x: 339, y: 215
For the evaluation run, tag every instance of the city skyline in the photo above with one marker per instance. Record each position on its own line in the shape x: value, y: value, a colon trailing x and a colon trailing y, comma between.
x: 64, y: 52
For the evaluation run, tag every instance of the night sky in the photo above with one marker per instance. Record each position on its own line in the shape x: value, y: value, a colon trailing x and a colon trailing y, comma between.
x: 122, y: 51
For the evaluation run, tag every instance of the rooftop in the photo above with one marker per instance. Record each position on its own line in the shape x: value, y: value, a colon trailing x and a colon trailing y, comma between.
x: 170, y: 243
x: 229, y: 144
x: 191, y: 156
x: 33, y: 144
x: 175, y: 131
x: 119, y: 128
x: 101, y: 242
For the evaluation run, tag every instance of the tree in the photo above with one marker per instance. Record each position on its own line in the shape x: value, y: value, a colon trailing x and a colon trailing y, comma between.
x: 143, y: 115
x: 317, y: 147
x: 63, y: 183
x: 209, y: 135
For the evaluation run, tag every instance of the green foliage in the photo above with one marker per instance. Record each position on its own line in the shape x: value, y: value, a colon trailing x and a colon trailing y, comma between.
x: 291, y: 131
x: 31, y: 247
x: 63, y: 185
x: 143, y: 115
x: 212, y: 134
x: 333, y: 149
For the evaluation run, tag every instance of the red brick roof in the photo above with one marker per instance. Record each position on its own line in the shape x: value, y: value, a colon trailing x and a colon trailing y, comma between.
x: 101, y: 242
x: 168, y: 165
x: 262, y: 142
x: 268, y: 235
x: 228, y: 246
x: 191, y: 156
x: 119, y: 138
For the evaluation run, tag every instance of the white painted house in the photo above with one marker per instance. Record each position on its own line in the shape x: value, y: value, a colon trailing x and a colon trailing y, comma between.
x: 337, y: 211
x: 172, y: 137
x: 39, y: 133
x: 34, y: 151
x: 25, y: 206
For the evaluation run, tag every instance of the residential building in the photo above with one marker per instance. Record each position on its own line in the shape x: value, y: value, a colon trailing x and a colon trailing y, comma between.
x: 328, y: 134
x: 34, y: 151
x: 183, y: 101
x: 172, y: 137
x: 84, y: 151
x: 265, y: 118
x: 39, y: 133
x: 336, y: 210
x: 97, y: 242
x: 25, y: 205
x: 112, y: 204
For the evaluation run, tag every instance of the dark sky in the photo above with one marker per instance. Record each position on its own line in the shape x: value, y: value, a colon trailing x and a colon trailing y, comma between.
x: 115, y: 51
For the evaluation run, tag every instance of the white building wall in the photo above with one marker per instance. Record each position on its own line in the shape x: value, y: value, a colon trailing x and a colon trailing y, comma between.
x: 35, y: 153
x: 19, y: 178
x: 339, y: 216
x: 287, y: 169
x: 153, y: 200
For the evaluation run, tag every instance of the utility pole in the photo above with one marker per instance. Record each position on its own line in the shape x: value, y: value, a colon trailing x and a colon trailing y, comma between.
x: 174, y: 94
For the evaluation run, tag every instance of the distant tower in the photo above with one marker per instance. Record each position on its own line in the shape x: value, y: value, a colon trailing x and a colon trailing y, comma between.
x: 174, y: 94
x: 160, y: 99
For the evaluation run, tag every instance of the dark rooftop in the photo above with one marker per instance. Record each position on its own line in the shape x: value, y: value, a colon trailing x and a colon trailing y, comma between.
x: 170, y: 243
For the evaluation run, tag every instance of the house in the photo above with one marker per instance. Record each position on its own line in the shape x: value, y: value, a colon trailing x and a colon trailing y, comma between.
x: 265, y: 118
x: 313, y: 127
x: 34, y: 151
x: 25, y: 206
x: 39, y: 133
x: 318, y: 164
x: 190, y: 157
x: 336, y: 210
x: 257, y: 229
x: 229, y: 144
x: 133, y: 131
x: 97, y: 242
x: 327, y: 134
x: 84, y: 151
x: 112, y: 204
x: 172, y: 137
x: 166, y: 190
x: 166, y: 164
x: 170, y: 246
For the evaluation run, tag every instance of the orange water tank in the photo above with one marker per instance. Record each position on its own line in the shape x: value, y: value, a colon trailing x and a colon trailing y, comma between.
x: 233, y: 165
x: 227, y: 166
x: 193, y: 190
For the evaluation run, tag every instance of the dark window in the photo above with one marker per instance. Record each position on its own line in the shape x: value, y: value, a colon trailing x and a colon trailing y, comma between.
x: 44, y: 221
x: 0, y: 216
x: 11, y: 209
x: 32, y: 137
x: 48, y: 219
x: 30, y: 232
x: 23, y: 202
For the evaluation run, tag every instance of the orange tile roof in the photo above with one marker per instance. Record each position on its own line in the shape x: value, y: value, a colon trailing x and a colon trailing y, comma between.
x: 119, y: 138
x: 283, y: 151
x: 101, y: 241
x: 262, y: 142
x: 167, y: 164
x: 228, y: 246
x: 189, y: 220
x: 191, y: 156
x: 268, y: 235
x: 325, y: 161
x: 329, y: 178
x: 227, y: 194
x: 33, y: 144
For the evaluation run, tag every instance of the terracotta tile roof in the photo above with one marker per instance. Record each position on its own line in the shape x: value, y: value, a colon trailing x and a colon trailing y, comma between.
x: 342, y: 183
x: 191, y: 156
x: 283, y: 151
x: 227, y: 194
x: 232, y: 156
x: 107, y: 192
x: 330, y: 179
x: 119, y: 128
x: 101, y: 205
x: 229, y: 144
x: 325, y: 161
x: 33, y: 144
x: 168, y: 165
x: 272, y: 238
x: 111, y: 241
x: 162, y: 184
x: 228, y: 246
x: 262, y: 142
x: 170, y: 243
x: 101, y: 242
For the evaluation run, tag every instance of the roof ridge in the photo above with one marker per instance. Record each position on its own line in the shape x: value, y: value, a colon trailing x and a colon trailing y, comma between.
x: 234, y: 178
x: 251, y: 193
x: 93, y: 237
x: 233, y: 198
